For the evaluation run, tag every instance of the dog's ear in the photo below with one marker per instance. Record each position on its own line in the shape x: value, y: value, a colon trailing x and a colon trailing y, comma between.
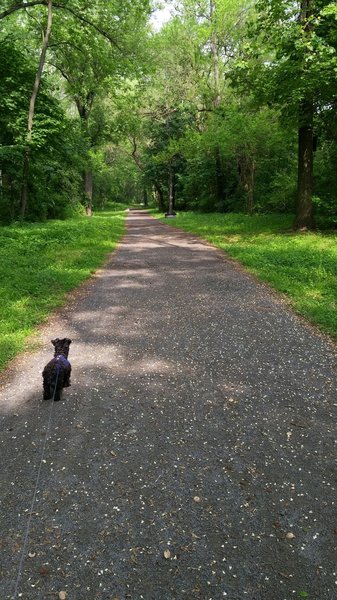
x: 69, y: 341
x: 54, y: 342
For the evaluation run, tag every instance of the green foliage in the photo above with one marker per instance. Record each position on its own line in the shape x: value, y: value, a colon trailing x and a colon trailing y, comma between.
x: 237, y: 134
x: 39, y: 263
x: 93, y: 45
x: 211, y: 100
x: 231, y: 147
x: 286, y: 58
x: 55, y: 148
x: 304, y: 267
x: 115, y: 177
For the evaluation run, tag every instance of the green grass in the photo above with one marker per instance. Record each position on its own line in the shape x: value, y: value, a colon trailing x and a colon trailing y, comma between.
x: 301, y: 265
x: 40, y: 263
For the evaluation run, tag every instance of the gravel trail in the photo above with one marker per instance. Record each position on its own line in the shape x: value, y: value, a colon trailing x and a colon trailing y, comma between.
x: 194, y: 455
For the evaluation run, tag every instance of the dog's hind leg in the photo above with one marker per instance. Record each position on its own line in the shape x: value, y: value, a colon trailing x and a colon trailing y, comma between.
x: 66, y: 382
x: 56, y: 392
x: 57, y: 386
x: 46, y: 391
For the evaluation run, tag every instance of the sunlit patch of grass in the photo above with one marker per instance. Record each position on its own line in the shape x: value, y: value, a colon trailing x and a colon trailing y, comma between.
x: 40, y: 263
x: 301, y: 265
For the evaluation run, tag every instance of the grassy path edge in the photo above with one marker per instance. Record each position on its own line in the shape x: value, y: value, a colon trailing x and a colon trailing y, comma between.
x: 301, y: 267
x: 41, y: 263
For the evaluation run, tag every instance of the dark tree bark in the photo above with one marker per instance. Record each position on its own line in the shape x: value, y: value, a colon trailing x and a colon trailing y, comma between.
x: 219, y: 179
x: 304, y: 207
x: 247, y: 166
x: 88, y: 189
x: 171, y: 198
x: 250, y: 188
x: 160, y: 197
x: 84, y: 106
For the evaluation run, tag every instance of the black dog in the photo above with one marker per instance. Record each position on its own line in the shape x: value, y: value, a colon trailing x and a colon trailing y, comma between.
x: 56, y: 374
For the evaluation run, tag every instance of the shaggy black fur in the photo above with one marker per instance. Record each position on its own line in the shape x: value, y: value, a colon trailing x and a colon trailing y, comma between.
x: 56, y: 374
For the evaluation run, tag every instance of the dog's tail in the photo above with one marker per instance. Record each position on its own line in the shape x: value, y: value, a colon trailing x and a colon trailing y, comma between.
x: 56, y: 385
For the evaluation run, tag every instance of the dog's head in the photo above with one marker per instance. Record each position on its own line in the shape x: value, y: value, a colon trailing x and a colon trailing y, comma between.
x: 61, y: 345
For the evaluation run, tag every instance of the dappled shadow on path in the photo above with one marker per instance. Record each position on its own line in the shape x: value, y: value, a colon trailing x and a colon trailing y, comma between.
x: 199, y: 420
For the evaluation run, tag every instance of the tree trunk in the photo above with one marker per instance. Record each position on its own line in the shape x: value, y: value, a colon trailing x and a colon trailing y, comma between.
x: 26, y: 160
x: 84, y: 106
x: 250, y: 187
x: 160, y: 197
x: 88, y: 191
x: 304, y: 207
x: 145, y: 198
x: 247, y: 168
x: 214, y: 45
x: 171, y: 198
x: 219, y: 180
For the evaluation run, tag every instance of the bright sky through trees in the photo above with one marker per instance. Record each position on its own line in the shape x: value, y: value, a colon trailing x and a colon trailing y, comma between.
x: 160, y: 17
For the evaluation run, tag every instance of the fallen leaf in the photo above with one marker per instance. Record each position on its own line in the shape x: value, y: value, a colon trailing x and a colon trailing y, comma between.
x: 285, y: 575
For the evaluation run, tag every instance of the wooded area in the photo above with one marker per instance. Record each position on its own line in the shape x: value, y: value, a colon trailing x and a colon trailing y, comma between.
x: 230, y: 107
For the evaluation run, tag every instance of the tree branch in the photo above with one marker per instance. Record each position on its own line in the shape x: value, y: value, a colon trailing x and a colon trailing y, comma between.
x: 90, y: 23
x: 78, y: 16
x: 63, y: 73
x: 134, y: 153
x: 21, y: 6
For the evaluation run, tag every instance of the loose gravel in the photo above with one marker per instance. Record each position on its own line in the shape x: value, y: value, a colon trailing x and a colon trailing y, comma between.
x: 194, y: 456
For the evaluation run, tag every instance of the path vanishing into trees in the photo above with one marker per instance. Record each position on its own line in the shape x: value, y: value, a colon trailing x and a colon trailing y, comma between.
x: 193, y: 456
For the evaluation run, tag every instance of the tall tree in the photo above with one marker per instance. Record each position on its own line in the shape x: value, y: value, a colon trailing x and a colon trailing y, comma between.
x: 217, y: 25
x: 31, y: 111
x: 93, y: 67
x: 114, y: 23
x: 290, y: 62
